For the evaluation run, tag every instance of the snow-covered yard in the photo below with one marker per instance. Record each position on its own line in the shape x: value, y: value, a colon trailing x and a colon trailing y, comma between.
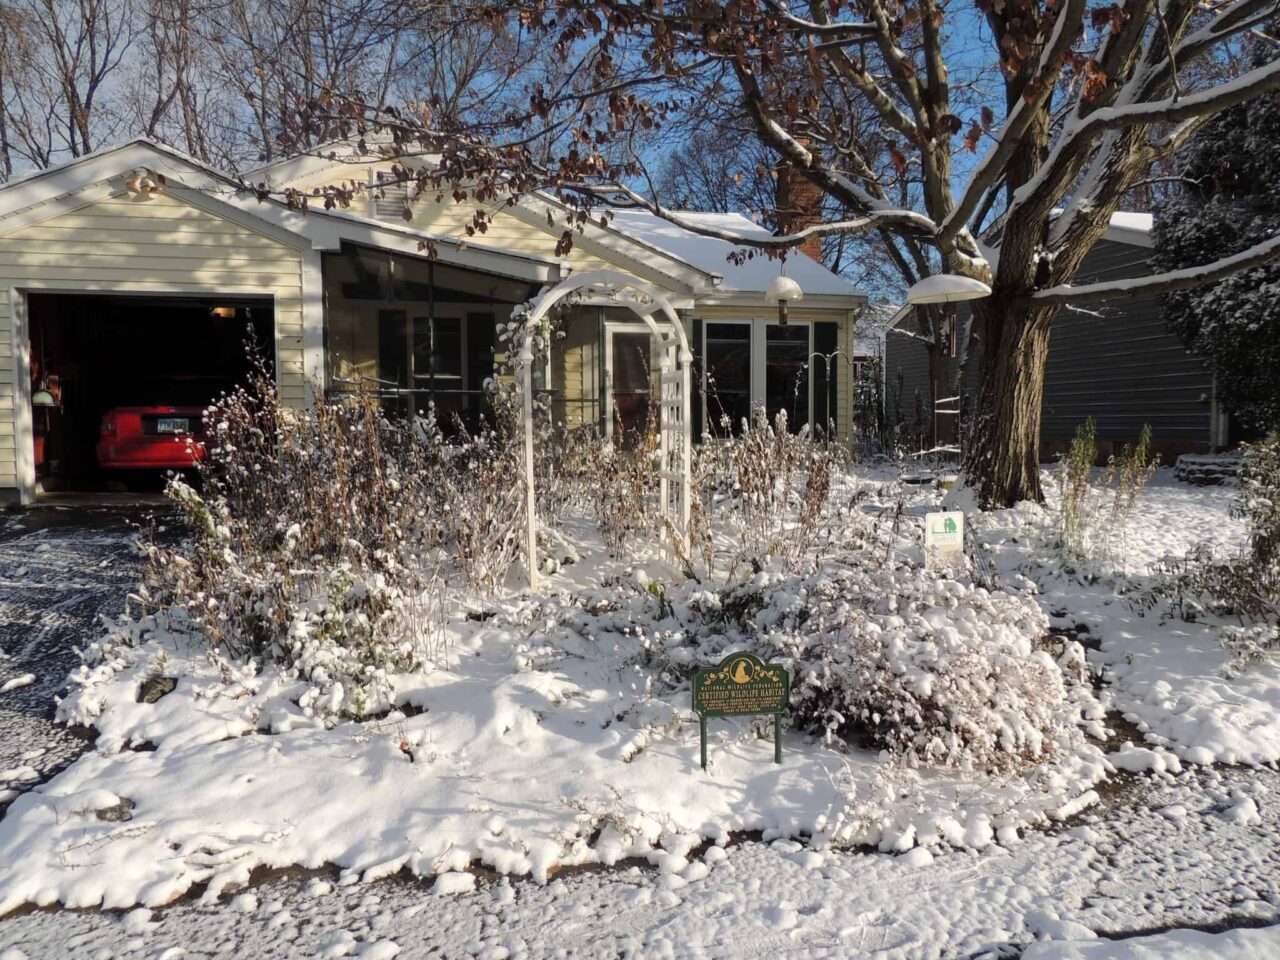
x: 552, y: 735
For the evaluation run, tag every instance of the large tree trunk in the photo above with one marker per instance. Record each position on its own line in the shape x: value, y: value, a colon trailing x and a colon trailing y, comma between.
x: 1002, y: 456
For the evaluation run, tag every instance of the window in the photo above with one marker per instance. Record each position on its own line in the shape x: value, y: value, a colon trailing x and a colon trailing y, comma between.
x: 786, y: 375
x: 438, y: 353
x: 450, y: 358
x: 727, y: 351
x: 630, y: 366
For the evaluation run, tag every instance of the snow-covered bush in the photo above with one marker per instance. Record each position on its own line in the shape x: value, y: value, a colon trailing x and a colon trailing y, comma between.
x: 882, y: 653
x: 938, y: 671
x: 323, y: 539
x: 1247, y: 586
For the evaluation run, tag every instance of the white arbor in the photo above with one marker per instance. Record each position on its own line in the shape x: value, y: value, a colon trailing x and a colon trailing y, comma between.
x: 674, y: 382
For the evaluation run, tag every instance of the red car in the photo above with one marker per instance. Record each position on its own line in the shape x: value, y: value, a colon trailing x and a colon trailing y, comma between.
x: 151, y: 438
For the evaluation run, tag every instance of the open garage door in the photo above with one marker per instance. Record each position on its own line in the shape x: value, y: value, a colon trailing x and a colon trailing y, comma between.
x: 118, y: 382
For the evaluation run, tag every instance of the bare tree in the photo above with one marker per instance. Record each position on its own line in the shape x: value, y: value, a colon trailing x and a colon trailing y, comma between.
x: 62, y: 62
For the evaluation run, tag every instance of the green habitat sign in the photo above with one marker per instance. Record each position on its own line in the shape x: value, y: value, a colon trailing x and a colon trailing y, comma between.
x: 741, y: 685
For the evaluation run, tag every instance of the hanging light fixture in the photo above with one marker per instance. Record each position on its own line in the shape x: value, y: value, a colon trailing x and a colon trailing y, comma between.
x: 947, y: 288
x: 783, y: 290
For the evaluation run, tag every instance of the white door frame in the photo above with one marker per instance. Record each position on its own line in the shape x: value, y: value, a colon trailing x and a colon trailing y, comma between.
x: 612, y: 327
x: 759, y: 361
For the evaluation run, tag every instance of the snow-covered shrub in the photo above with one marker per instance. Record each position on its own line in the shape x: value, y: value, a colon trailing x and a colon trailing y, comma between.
x: 1250, y: 644
x: 323, y: 539
x: 1246, y: 586
x: 882, y: 652
x: 937, y: 671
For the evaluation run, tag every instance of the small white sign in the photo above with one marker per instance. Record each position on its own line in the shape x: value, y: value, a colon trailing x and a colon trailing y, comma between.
x: 943, y: 535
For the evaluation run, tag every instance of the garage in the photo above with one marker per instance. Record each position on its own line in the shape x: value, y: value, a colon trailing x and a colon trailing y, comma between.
x: 118, y: 382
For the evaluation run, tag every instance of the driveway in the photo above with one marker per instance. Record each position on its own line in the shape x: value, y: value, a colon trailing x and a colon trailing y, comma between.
x: 62, y: 569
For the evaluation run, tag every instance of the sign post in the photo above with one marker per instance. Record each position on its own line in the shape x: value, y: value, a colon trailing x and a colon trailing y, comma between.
x: 741, y: 685
x: 943, y: 536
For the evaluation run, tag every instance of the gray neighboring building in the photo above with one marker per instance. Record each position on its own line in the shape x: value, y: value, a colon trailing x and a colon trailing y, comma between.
x: 1118, y: 363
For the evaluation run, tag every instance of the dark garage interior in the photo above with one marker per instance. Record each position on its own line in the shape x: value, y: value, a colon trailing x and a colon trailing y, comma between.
x: 94, y: 354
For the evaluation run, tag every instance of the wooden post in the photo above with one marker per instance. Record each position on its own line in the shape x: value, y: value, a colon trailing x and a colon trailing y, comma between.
x: 525, y: 360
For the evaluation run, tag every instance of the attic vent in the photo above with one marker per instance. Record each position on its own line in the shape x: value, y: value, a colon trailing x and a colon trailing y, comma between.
x: 389, y: 200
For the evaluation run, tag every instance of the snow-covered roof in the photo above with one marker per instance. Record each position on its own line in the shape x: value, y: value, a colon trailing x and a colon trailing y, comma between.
x: 711, y: 254
x: 1126, y: 226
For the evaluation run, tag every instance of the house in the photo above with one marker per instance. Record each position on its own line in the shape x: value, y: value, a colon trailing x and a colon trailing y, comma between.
x: 132, y: 274
x: 1119, y: 364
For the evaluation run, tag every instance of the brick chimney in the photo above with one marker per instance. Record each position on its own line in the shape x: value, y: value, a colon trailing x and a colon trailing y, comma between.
x: 799, y: 202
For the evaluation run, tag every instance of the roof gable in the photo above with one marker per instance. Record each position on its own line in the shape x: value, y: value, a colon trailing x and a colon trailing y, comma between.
x: 633, y: 240
x: 50, y: 193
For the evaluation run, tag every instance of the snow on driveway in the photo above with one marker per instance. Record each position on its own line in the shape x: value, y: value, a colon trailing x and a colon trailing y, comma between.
x: 1132, y: 869
x: 59, y: 571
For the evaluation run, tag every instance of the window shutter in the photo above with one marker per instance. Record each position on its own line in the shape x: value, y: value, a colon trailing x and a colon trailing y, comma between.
x: 389, y: 201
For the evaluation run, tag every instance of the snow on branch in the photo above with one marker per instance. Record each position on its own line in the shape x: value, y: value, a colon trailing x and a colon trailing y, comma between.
x: 1160, y: 283
x: 1024, y: 112
x: 1079, y: 132
x: 1172, y: 109
x: 888, y: 219
x: 1235, y: 18
x: 826, y: 31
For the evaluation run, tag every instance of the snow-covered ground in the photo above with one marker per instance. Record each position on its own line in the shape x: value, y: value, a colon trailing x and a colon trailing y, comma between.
x: 1169, y: 677
x: 547, y: 737
x: 216, y: 798
x: 1131, y: 866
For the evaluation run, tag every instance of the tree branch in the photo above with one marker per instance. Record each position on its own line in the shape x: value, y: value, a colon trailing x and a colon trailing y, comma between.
x: 992, y: 167
x: 1161, y: 283
x: 903, y: 220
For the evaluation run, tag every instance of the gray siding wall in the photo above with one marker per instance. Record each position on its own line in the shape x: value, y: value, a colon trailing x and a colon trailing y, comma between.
x: 1124, y: 368
x: 1119, y: 364
x: 906, y: 375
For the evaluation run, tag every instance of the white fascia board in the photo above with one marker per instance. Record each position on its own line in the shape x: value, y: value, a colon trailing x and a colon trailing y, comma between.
x: 1130, y: 235
x: 91, y: 179
x: 73, y: 177
x: 334, y: 154
x: 57, y: 207
x: 904, y: 311
x: 448, y: 250
x: 284, y: 172
x: 617, y: 248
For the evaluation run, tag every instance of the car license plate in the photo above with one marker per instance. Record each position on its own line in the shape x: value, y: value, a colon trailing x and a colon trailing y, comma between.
x: 172, y: 425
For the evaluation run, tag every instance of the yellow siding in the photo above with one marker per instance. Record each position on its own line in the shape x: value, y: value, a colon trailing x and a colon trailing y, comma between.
x: 450, y: 219
x: 122, y: 244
